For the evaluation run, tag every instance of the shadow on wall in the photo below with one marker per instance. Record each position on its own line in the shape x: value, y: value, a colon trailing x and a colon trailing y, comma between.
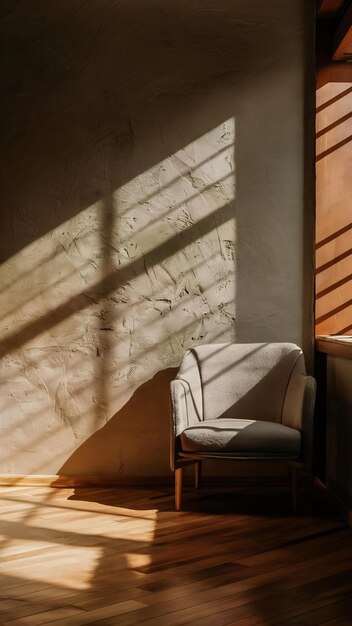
x: 119, y: 240
x: 96, y: 93
x: 143, y: 422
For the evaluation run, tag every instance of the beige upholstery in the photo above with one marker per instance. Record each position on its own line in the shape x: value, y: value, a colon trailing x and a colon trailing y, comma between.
x: 242, y: 401
x: 248, y: 437
x: 245, y: 381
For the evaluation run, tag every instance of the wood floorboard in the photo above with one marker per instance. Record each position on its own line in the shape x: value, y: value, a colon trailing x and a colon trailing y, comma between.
x: 123, y: 556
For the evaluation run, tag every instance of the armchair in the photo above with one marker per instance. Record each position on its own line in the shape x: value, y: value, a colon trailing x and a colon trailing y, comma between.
x: 242, y: 401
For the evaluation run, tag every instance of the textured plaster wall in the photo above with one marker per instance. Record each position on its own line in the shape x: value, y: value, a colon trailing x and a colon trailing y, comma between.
x: 154, y: 197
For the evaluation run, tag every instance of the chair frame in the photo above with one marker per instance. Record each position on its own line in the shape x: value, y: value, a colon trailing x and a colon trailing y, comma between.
x: 179, y: 458
x: 294, y: 468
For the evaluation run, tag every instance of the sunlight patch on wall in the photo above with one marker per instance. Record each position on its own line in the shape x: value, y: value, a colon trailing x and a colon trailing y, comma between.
x: 98, y: 306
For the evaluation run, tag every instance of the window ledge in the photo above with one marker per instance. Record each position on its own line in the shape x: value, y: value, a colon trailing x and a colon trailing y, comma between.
x: 335, y: 345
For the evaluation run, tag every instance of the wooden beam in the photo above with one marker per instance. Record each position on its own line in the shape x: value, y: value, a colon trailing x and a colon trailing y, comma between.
x: 342, y: 42
x: 329, y: 8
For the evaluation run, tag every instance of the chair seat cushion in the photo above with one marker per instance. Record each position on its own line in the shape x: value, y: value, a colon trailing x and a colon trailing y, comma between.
x: 242, y: 437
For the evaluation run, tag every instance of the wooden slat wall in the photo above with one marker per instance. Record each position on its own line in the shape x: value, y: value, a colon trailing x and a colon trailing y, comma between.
x: 333, y: 189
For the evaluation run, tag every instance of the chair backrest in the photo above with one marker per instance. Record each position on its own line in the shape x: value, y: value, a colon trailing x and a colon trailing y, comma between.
x: 247, y: 381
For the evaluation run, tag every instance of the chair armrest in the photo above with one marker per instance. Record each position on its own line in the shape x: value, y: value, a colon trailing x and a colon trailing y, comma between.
x: 184, y: 413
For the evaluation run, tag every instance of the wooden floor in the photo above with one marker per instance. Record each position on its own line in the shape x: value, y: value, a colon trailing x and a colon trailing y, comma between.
x: 123, y: 556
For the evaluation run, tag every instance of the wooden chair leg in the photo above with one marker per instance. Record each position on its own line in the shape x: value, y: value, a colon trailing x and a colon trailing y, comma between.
x: 197, y: 474
x: 178, y: 488
x: 293, y: 469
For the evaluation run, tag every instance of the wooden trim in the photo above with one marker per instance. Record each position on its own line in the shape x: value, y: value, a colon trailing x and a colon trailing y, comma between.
x: 335, y: 347
x: 336, y: 502
x: 36, y: 480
